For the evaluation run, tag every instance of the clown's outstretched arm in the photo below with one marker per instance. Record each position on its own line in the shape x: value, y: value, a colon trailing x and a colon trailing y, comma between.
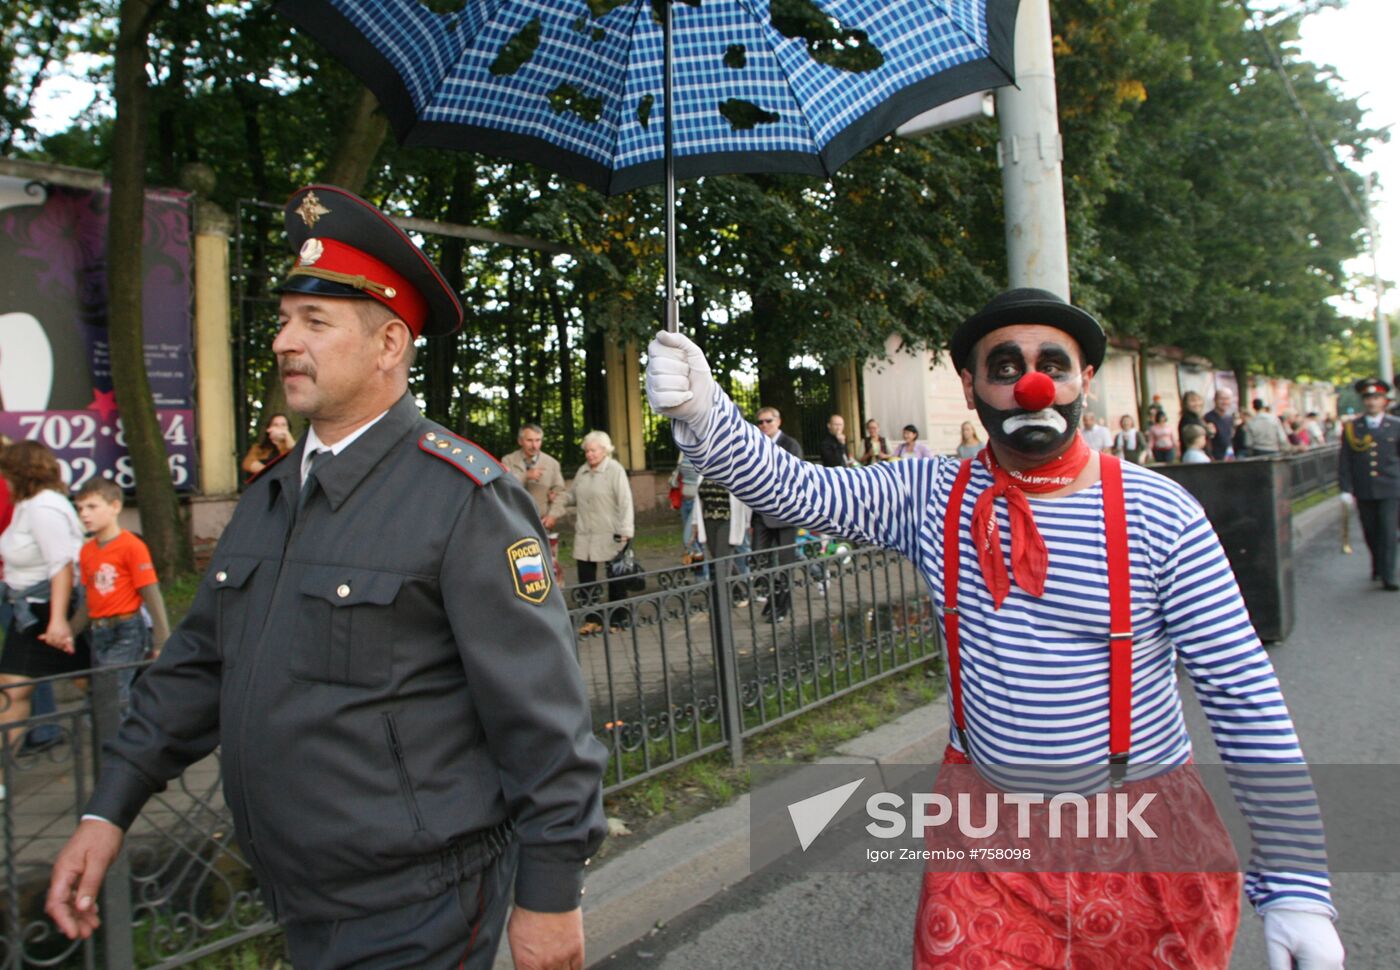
x: 886, y: 504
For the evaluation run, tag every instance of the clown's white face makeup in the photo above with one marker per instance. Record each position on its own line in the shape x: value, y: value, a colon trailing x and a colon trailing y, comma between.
x: 1001, y: 359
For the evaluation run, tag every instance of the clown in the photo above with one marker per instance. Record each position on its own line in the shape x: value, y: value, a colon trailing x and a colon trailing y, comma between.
x: 1070, y: 584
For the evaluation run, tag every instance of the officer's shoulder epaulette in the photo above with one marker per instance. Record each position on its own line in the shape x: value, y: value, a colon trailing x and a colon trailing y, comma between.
x: 467, y: 457
x: 266, y: 465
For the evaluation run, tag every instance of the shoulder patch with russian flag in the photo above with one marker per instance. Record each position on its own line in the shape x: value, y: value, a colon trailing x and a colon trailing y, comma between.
x: 529, y: 569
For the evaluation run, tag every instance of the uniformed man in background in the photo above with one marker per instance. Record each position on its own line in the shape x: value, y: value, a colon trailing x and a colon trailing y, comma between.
x: 1369, y: 472
x: 380, y: 651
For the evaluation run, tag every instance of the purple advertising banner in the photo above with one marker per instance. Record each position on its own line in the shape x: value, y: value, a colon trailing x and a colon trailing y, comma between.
x: 55, y: 371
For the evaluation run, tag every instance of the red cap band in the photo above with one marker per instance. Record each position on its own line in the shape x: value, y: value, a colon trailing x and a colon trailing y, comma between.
x: 332, y: 260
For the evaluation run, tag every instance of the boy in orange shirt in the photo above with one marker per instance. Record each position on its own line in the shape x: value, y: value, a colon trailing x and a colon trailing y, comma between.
x: 118, y: 577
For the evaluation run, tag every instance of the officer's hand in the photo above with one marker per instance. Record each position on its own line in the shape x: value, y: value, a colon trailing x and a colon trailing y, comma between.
x: 1308, y: 938
x: 679, y: 384
x: 546, y: 941
x: 1348, y: 499
x: 77, y: 876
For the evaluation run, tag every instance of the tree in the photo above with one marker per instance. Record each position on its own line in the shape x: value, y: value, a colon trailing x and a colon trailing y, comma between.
x: 164, y: 530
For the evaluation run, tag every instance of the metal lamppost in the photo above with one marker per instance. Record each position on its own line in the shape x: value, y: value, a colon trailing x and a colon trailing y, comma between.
x: 1387, y: 370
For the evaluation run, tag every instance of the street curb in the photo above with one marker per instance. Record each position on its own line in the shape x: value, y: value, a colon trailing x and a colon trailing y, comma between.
x: 677, y: 870
x: 1316, y: 520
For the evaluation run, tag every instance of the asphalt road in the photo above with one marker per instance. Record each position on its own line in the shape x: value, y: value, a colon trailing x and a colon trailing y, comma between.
x: 1340, y: 670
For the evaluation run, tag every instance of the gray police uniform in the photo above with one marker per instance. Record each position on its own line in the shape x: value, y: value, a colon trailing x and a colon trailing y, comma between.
x: 391, y: 675
x: 1369, y: 468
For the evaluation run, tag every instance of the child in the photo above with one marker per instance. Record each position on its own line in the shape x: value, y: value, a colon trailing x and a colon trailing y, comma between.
x: 1193, y: 440
x: 117, y: 577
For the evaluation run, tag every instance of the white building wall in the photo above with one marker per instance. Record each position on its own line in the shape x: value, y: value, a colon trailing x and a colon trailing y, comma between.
x: 915, y: 389
x: 1162, y: 383
x: 1114, y: 387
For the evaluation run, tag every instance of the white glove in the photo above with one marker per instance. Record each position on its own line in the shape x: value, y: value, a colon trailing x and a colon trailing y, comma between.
x: 679, y: 384
x: 1309, y: 938
x: 1348, y: 499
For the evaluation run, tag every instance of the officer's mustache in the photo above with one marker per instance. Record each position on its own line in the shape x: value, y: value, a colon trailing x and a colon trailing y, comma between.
x: 287, y: 368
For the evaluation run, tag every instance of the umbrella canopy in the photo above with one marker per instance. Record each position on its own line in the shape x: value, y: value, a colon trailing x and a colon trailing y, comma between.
x: 578, y: 85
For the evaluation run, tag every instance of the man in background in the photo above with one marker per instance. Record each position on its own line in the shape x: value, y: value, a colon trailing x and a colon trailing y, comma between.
x: 771, y: 532
x: 1096, y: 435
x: 833, y: 446
x: 1220, y: 423
x: 540, y: 473
x: 543, y: 478
x: 1265, y: 433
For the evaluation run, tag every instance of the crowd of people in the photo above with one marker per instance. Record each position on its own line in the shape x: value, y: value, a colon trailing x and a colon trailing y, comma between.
x: 1224, y: 433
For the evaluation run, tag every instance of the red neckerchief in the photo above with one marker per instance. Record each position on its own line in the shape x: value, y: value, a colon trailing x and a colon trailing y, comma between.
x: 1029, y: 560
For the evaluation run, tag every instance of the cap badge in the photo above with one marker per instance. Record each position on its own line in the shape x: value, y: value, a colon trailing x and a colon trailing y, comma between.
x: 311, y: 210
x: 311, y: 250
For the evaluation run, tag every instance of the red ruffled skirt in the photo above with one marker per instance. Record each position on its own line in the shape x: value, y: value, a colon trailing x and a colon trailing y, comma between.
x: 977, y: 920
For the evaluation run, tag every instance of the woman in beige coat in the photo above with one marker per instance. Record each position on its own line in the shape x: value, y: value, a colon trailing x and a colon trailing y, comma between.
x: 602, y: 499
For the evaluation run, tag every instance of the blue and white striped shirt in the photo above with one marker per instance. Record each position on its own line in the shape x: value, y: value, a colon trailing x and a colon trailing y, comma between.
x: 1035, y: 672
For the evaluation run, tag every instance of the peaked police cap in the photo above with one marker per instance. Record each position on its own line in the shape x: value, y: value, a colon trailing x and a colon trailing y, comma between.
x: 347, y: 248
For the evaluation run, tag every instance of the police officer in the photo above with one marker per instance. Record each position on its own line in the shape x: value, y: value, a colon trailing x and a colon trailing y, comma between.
x: 1369, y: 472
x: 379, y: 650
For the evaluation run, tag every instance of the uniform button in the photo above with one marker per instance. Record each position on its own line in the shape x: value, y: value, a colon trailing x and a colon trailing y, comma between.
x: 343, y: 590
x: 583, y: 892
x: 220, y: 576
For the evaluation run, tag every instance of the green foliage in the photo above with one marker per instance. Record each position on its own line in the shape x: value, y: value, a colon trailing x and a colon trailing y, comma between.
x: 827, y: 40
x: 517, y: 51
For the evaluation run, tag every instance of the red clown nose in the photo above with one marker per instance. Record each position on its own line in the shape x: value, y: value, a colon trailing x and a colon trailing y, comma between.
x: 1035, y: 391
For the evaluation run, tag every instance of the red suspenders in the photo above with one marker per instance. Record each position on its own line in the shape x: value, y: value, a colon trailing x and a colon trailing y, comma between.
x: 1120, y: 620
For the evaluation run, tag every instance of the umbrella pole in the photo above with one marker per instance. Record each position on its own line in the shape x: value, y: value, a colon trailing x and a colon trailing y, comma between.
x: 672, y: 309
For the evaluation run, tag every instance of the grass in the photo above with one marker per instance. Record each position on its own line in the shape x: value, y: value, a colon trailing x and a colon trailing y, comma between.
x: 179, y: 594
x: 1316, y: 498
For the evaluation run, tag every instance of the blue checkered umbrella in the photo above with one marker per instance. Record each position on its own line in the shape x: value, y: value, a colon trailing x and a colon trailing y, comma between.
x: 582, y: 86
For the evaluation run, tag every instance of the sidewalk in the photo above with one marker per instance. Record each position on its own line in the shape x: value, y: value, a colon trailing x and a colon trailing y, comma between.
x: 679, y: 869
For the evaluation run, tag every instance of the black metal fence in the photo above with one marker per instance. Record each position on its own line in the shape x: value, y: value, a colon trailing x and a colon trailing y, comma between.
x: 700, y: 660
x: 691, y: 664
x: 1311, y: 471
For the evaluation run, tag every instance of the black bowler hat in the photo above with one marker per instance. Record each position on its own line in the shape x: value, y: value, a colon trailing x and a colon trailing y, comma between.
x: 347, y: 248
x: 1372, y: 385
x: 1029, y: 305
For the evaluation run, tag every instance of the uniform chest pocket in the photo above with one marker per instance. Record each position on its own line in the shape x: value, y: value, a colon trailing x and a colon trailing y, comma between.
x: 345, y: 627
x: 232, y: 581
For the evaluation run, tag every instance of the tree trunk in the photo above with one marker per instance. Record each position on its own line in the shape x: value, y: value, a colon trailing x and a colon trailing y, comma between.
x: 595, y: 389
x: 775, y: 388
x: 441, y: 365
x: 161, y: 522
x: 359, y: 143
x: 566, y: 371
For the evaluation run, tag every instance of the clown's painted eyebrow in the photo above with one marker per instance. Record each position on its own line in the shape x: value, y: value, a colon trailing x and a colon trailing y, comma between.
x: 1055, y: 354
x: 1006, y: 351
